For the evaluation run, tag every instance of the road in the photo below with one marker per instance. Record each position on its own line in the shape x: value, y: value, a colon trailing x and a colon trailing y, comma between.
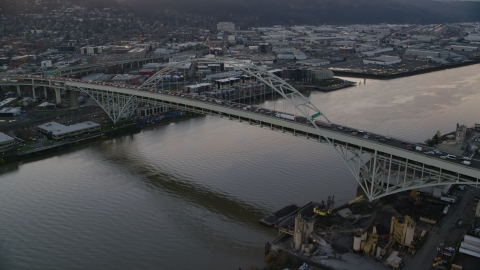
x: 441, y: 232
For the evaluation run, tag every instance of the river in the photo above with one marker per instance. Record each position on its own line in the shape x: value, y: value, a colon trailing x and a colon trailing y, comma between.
x: 188, y: 195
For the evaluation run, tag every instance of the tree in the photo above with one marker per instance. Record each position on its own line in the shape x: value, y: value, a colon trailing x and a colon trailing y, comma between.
x: 437, y: 137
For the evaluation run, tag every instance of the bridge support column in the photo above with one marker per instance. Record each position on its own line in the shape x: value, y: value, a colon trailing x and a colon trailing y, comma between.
x: 19, y: 93
x: 33, y: 90
x: 45, y: 91
x: 58, y: 98
x: 73, y: 99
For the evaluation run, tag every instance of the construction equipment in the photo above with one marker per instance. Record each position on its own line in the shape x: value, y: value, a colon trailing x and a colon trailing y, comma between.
x: 319, y: 208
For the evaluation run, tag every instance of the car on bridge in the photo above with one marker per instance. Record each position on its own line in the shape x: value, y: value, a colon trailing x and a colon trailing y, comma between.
x: 450, y: 156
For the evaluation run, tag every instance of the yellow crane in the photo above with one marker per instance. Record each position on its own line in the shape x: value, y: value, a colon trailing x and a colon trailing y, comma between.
x: 319, y: 211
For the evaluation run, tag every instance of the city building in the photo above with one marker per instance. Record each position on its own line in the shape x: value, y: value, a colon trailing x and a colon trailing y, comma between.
x: 226, y: 26
x: 320, y: 74
x: 6, y: 142
x: 137, y: 53
x: 383, y: 60
x: 46, y: 64
x: 58, y: 131
x: 89, y: 50
x: 199, y: 87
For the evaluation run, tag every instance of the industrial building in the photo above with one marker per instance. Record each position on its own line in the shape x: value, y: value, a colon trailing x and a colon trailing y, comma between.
x: 461, y: 48
x: 58, y: 131
x: 147, y: 111
x: 314, y: 62
x: 226, y: 26
x: 422, y: 53
x: 384, y: 60
x: 6, y: 142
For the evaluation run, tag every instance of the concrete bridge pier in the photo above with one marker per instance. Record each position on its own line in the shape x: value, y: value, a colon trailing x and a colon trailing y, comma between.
x: 45, y: 92
x: 33, y: 90
x: 58, y: 98
x: 19, y: 93
x: 73, y: 99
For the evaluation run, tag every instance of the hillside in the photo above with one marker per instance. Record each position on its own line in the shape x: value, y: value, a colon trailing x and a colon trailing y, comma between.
x: 269, y: 12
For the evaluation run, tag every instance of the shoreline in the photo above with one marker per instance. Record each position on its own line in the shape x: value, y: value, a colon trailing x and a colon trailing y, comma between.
x: 130, y: 128
x: 402, y: 74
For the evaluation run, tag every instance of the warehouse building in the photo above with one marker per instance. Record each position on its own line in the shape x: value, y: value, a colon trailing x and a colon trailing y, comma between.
x: 58, y: 131
x: 384, y: 60
x: 6, y: 142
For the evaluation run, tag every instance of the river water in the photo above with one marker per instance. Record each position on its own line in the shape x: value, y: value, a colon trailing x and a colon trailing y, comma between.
x: 188, y: 195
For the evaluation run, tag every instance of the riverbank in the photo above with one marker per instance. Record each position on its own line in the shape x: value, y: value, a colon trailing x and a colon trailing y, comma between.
x: 130, y: 127
x: 330, y: 85
x: 383, y: 76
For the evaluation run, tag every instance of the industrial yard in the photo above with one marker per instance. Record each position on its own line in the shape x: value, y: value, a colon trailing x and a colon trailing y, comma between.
x: 410, y: 230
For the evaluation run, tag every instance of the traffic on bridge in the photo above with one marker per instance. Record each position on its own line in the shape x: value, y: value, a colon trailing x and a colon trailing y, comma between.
x: 394, y: 164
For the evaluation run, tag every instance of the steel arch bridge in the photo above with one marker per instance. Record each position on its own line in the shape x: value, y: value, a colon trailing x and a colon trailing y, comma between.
x: 380, y: 168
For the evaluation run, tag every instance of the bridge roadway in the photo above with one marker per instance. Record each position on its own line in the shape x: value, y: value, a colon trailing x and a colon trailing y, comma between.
x: 392, y: 149
x: 390, y: 146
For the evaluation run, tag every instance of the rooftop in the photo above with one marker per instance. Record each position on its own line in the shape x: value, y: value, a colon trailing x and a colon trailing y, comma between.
x: 59, y: 129
x: 4, y: 137
x: 384, y: 58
